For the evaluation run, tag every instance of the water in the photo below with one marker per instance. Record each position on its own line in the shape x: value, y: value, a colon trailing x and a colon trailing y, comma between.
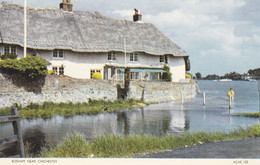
x: 157, y: 119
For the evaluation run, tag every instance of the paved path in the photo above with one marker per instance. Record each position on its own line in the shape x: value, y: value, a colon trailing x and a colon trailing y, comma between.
x: 245, y: 148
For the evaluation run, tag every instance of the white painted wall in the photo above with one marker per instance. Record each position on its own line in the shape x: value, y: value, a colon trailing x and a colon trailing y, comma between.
x: 177, y: 68
x: 78, y: 65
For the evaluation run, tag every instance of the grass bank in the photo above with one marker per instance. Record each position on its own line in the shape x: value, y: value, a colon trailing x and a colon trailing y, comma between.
x: 48, y: 109
x: 257, y: 114
x: 75, y: 145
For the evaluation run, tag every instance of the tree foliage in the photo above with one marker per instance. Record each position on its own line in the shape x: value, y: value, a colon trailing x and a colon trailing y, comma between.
x: 31, y: 67
x: 167, y: 75
x: 198, y: 75
x: 6, y: 56
x: 232, y: 75
x: 254, y: 73
x: 212, y: 77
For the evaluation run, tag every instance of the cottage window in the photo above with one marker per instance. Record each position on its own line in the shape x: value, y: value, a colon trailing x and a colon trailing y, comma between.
x: 55, y: 70
x: 134, y: 75
x: 58, y: 54
x: 164, y: 59
x: 94, y: 71
x: 111, y: 56
x: 61, y: 70
x: 10, y: 49
x: 58, y: 70
x: 133, y: 57
x: 161, y: 58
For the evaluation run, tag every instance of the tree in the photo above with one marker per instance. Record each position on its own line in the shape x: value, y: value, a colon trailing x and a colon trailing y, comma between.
x: 255, y: 73
x: 198, y: 75
x: 212, y: 77
x: 232, y: 75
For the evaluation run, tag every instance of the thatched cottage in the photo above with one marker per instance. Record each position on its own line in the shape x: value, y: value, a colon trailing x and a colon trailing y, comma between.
x: 80, y: 43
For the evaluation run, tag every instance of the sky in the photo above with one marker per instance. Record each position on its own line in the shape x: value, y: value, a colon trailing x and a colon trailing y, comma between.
x: 220, y: 36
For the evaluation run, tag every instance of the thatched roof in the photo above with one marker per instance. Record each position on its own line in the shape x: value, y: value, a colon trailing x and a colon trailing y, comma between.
x: 81, y: 31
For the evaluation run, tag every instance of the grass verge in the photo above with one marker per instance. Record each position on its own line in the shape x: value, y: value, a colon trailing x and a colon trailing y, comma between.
x: 257, y: 114
x: 75, y: 145
x: 48, y: 109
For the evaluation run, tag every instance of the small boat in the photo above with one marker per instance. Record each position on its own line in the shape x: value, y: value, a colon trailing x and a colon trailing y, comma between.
x: 225, y: 80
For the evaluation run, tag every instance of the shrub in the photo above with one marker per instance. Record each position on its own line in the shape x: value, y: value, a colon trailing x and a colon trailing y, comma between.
x: 189, y: 76
x: 6, y: 56
x: 51, y: 72
x: 97, y: 75
x: 31, y: 67
x: 167, y: 75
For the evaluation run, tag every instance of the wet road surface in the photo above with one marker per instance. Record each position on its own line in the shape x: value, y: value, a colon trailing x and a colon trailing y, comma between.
x: 244, y: 148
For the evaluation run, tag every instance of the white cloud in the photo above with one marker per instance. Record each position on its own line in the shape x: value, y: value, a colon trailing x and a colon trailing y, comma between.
x: 211, y: 31
x: 123, y: 13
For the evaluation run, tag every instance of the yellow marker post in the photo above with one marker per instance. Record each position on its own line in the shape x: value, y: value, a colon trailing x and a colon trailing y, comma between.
x: 230, y: 94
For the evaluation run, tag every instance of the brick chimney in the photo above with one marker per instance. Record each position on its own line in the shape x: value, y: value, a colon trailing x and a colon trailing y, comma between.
x: 137, y: 17
x: 66, y: 5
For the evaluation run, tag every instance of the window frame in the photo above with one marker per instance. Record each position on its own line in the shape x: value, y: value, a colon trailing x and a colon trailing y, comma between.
x: 111, y: 56
x: 134, y: 75
x: 55, y: 70
x: 12, y: 49
x: 61, y: 70
x: 133, y: 57
x: 58, y: 70
x: 164, y: 59
x: 58, y: 53
x: 92, y: 71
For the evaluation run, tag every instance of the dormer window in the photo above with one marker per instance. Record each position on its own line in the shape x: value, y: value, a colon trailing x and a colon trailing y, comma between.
x: 58, y: 54
x: 111, y: 56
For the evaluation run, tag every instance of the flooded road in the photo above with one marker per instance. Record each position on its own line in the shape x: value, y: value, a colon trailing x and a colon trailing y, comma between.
x: 156, y: 119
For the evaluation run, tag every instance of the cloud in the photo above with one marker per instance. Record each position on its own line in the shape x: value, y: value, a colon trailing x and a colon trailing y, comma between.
x: 211, y: 31
x: 123, y: 13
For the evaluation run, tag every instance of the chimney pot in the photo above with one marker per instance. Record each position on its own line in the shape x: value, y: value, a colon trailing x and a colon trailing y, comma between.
x: 66, y: 5
x: 137, y: 17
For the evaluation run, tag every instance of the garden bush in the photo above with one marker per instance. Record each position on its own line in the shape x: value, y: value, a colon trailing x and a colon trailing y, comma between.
x: 30, y: 67
x: 167, y: 75
x: 97, y: 75
x: 6, y: 56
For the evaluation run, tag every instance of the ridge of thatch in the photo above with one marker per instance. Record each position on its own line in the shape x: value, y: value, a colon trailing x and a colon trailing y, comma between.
x: 81, y: 31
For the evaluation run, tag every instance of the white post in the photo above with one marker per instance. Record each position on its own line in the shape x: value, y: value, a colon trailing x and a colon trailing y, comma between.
x: 25, y: 29
x: 204, y: 99
x: 259, y: 99
x: 125, y: 50
x: 182, y: 97
x: 125, y: 61
x: 259, y: 93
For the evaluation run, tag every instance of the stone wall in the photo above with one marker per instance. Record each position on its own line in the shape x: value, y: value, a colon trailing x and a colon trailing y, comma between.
x: 162, y: 91
x: 65, y: 89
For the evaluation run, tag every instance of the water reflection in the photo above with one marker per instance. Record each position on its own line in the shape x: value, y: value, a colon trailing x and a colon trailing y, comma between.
x: 34, y: 138
x: 156, y: 119
x: 39, y: 132
x: 123, y: 121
